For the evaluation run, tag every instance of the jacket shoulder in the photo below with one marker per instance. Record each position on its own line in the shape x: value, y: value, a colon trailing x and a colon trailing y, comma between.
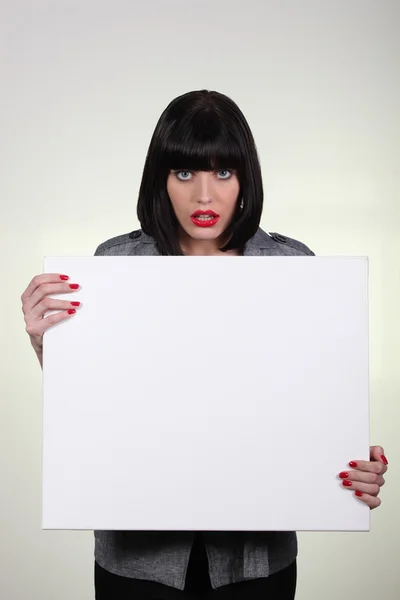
x: 290, y: 244
x: 120, y: 245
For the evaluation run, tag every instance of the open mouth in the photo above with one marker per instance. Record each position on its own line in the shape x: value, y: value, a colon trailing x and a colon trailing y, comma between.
x: 204, y: 218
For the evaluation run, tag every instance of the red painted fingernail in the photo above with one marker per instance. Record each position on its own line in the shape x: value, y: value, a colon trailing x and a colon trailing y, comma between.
x: 75, y: 303
x: 353, y: 464
x: 64, y: 277
x: 74, y: 286
x: 343, y: 475
x: 71, y: 311
x: 347, y: 483
x: 384, y: 459
x: 359, y: 494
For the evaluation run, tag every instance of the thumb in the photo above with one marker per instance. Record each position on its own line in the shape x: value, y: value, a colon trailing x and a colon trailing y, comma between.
x: 377, y: 453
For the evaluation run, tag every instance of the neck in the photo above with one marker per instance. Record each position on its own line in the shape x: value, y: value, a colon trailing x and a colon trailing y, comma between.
x: 191, y: 247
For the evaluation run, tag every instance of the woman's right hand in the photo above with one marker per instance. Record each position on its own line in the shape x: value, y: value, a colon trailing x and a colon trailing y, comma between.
x: 35, y: 303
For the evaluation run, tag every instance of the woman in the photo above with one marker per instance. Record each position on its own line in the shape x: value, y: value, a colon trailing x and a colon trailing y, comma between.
x: 201, y: 194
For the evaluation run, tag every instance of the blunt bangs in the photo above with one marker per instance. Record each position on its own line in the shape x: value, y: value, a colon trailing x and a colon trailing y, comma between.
x: 200, y: 131
x: 201, y: 142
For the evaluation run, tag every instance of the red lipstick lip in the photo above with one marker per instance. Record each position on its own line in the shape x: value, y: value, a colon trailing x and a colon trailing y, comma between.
x: 209, y: 213
x: 195, y: 218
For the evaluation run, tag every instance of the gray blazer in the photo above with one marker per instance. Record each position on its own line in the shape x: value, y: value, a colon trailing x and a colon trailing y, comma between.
x: 163, y: 556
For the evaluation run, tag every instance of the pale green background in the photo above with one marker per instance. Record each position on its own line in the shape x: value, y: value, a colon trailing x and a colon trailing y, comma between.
x: 83, y: 84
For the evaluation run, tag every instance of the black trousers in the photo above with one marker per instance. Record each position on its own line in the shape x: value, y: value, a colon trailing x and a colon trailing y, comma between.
x: 280, y: 586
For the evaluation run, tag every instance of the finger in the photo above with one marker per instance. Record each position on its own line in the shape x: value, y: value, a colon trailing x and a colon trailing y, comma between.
x: 377, y: 453
x: 371, y: 501
x: 45, y: 289
x: 43, y: 278
x: 38, y: 328
x: 369, y: 466
x: 372, y: 489
x: 50, y: 304
x: 363, y: 477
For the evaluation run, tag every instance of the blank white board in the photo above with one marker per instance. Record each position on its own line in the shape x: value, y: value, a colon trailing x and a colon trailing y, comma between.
x: 207, y: 393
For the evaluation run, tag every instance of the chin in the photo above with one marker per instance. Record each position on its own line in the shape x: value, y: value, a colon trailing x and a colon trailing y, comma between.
x: 206, y: 233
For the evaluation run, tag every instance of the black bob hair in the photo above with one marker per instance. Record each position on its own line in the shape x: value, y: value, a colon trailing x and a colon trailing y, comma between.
x: 200, y: 131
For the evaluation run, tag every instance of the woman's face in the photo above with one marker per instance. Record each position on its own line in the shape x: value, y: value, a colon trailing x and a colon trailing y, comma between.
x: 204, y: 201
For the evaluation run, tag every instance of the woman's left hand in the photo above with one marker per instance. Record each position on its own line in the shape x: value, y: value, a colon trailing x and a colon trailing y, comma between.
x: 366, y: 477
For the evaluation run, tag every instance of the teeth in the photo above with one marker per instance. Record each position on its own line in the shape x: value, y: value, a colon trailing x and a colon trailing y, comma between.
x: 204, y: 217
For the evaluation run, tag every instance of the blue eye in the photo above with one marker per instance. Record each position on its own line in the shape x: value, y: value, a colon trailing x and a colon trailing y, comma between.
x: 187, y: 175
x: 229, y: 173
x: 180, y: 177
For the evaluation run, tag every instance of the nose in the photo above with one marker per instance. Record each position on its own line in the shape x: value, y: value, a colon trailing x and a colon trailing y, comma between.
x: 203, y: 188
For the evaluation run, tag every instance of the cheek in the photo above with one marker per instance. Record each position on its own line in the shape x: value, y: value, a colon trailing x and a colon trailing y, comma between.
x: 232, y: 195
x: 173, y: 193
x: 169, y: 187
